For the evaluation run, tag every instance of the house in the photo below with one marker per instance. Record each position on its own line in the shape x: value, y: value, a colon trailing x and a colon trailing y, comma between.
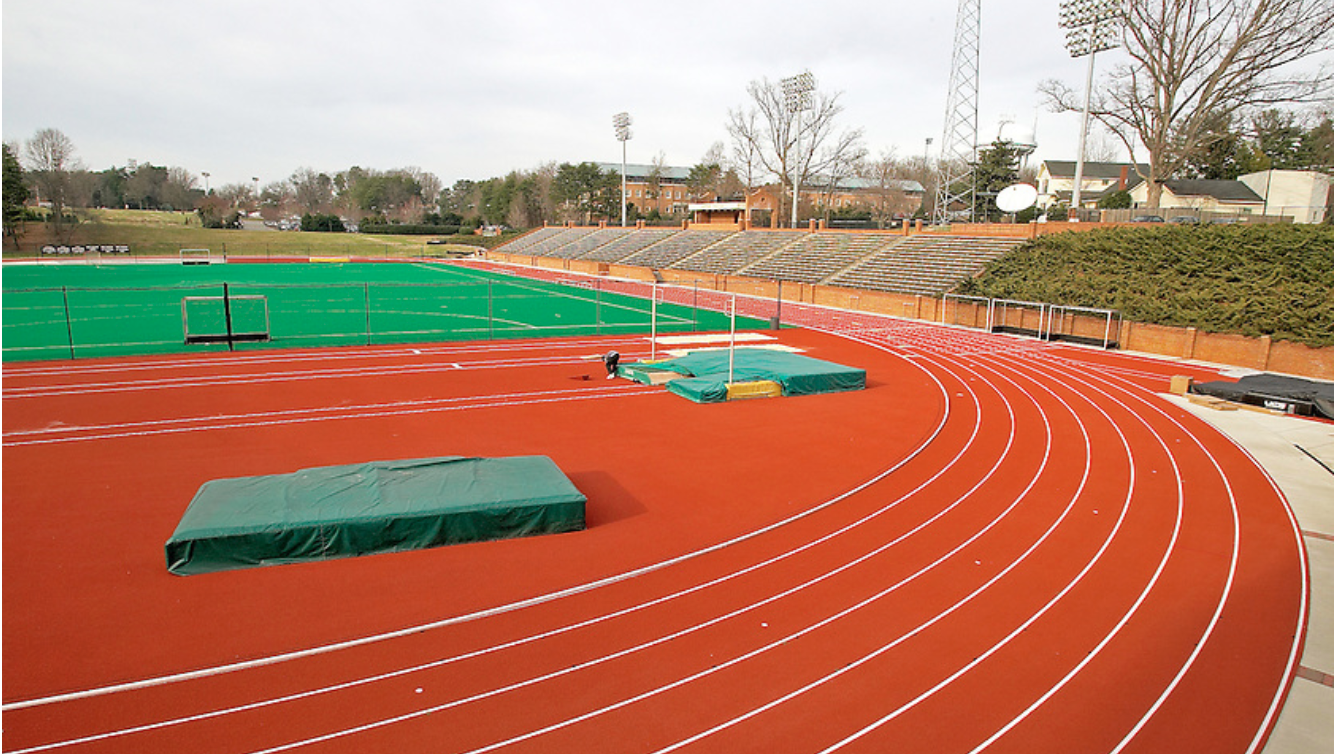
x: 1057, y: 177
x: 1304, y: 195
x: 1233, y: 197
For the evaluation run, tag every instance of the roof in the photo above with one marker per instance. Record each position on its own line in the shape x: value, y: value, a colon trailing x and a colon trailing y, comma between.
x: 634, y: 171
x: 1222, y: 190
x: 1109, y: 170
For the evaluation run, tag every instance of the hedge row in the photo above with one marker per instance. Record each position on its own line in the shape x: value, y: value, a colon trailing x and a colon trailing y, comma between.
x: 1249, y: 279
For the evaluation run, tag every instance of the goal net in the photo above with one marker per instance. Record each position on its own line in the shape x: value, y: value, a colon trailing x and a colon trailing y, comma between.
x: 225, y: 319
x: 201, y: 256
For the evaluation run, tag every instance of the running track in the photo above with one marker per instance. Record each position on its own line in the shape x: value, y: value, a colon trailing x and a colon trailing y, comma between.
x: 999, y: 545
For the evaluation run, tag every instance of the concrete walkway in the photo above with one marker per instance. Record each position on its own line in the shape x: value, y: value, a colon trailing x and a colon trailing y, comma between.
x: 1293, y: 452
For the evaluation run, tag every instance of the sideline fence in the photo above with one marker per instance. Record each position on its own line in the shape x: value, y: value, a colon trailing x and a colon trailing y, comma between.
x: 67, y: 322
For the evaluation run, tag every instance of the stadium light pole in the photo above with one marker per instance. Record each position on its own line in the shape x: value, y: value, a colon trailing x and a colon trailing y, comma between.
x: 797, y: 98
x: 621, y: 124
x: 1092, y: 26
x: 206, y: 183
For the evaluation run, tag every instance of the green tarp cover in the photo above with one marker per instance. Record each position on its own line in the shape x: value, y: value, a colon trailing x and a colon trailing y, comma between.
x: 340, y: 511
x: 795, y: 373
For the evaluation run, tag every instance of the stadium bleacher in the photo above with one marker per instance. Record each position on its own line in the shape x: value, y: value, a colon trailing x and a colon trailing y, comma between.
x: 922, y: 264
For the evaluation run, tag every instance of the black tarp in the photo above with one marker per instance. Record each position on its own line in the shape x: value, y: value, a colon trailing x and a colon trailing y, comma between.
x: 1291, y: 394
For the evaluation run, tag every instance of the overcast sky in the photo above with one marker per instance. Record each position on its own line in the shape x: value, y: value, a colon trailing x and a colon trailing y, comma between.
x: 476, y: 89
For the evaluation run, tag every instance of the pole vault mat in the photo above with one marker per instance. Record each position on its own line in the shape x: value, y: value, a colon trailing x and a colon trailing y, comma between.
x: 704, y: 376
x: 389, y: 506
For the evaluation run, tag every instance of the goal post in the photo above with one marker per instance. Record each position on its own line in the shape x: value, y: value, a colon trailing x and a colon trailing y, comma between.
x: 1084, y: 324
x: 200, y: 256
x: 225, y: 319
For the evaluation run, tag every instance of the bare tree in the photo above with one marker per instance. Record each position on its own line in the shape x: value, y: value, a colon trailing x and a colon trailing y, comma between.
x: 887, y: 199
x: 772, y: 137
x: 51, y: 159
x: 312, y: 191
x: 1195, y: 61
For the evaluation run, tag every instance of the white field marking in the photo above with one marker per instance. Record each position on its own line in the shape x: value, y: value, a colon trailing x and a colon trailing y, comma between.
x: 1224, y: 594
x: 345, y: 414
x: 602, y: 618
x: 798, y: 634
x: 283, y: 356
x: 848, y: 667
x: 682, y: 340
x: 1300, y: 620
x: 267, y: 377
x: 1146, y: 590
x: 736, y: 660
x: 509, y: 607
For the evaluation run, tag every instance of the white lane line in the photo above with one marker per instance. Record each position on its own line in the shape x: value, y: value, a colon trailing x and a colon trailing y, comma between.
x: 66, y: 434
x: 592, y: 621
x: 509, y: 607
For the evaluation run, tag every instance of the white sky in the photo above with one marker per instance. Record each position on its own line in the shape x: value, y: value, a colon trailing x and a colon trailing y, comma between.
x: 476, y: 89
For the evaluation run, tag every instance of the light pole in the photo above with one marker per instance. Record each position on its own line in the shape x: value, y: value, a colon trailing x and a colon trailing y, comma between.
x: 798, y: 97
x: 1092, y: 26
x: 621, y: 124
x: 206, y: 183
x: 256, y: 180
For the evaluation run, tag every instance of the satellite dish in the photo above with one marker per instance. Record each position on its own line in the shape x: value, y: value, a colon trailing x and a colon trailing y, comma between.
x: 1017, y: 197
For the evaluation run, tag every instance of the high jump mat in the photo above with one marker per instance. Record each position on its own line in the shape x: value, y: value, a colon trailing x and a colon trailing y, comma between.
x: 359, y: 509
x: 706, y: 377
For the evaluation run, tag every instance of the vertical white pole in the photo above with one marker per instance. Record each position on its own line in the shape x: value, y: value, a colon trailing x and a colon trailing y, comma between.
x: 653, y: 320
x: 732, y: 334
x: 1085, y: 127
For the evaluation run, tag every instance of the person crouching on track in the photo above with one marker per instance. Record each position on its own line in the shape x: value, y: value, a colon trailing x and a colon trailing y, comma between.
x: 610, y: 360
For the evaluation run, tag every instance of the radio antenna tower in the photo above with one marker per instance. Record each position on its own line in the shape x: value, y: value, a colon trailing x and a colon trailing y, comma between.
x: 960, y: 134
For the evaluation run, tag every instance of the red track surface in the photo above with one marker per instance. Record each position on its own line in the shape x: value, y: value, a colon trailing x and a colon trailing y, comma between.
x: 997, y: 545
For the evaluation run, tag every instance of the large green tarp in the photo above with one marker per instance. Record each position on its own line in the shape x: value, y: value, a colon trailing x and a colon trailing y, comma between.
x: 341, y: 511
x: 707, y: 373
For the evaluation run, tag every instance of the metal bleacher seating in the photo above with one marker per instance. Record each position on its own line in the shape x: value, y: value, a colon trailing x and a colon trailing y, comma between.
x: 923, y: 264
x: 817, y: 256
x: 630, y: 243
x: 737, y: 251
x: 679, y: 246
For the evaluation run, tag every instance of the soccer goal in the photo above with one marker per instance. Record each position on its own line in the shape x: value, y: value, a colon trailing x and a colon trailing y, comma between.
x: 225, y: 319
x: 201, y: 256
x: 1018, y: 317
x: 1083, y: 324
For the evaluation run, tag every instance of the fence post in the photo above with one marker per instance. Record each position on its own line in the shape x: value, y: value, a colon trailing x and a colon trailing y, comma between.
x: 69, y: 328
x: 366, y: 301
x: 598, y: 307
x: 227, y: 316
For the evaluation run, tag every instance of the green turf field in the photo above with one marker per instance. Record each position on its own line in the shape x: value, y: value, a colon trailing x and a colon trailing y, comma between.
x: 78, y: 310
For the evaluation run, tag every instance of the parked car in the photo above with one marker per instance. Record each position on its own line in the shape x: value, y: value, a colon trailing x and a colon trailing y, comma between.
x: 1225, y: 220
x: 1148, y: 219
x: 1184, y: 220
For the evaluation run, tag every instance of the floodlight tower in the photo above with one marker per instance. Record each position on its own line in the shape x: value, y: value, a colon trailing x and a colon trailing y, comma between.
x: 960, y: 134
x: 621, y: 124
x: 1092, y: 26
x: 797, y: 98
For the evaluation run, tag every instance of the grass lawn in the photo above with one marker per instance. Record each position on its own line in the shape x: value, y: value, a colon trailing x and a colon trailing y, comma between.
x: 152, y: 233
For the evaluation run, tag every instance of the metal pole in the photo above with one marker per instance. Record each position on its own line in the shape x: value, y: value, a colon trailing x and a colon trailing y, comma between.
x: 491, y: 332
x: 653, y: 321
x: 227, y: 316
x: 623, y: 202
x: 1085, y: 127
x: 732, y: 335
x: 366, y: 300
x: 797, y: 171
x: 69, y: 327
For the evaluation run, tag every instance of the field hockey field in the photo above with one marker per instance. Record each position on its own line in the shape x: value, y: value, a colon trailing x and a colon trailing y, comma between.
x: 72, y: 310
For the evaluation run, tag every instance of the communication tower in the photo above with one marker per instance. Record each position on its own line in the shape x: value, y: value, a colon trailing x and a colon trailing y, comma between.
x: 960, y: 135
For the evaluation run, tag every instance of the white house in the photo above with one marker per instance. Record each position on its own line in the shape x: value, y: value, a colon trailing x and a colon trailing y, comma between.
x: 1057, y: 177
x: 1304, y: 195
x: 1223, y: 196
